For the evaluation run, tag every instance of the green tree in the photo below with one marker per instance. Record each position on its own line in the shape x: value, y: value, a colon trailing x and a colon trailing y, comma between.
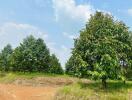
x: 42, y: 55
x: 55, y: 66
x: 23, y: 56
x: 103, y: 45
x: 5, y: 58
x: 76, y: 66
x: 32, y: 55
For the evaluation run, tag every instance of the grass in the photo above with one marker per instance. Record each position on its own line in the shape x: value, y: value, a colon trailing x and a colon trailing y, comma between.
x: 80, y: 90
x: 92, y: 91
x: 11, y: 76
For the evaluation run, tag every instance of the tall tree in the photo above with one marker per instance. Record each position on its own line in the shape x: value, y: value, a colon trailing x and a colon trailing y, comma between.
x: 105, y: 47
x: 5, y: 58
x: 22, y: 57
x: 55, y: 66
x: 31, y: 55
x: 42, y: 55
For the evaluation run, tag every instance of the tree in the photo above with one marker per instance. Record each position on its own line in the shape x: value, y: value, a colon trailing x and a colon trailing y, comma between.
x: 55, y: 66
x: 129, y: 69
x: 76, y: 66
x: 31, y: 56
x: 5, y: 58
x: 22, y: 57
x: 42, y: 55
x: 102, y: 45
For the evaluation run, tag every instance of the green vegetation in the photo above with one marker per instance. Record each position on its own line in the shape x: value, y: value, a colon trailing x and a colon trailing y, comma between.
x: 31, y: 56
x: 56, y: 66
x: 102, y: 51
x: 5, y: 58
x: 92, y: 91
x: 12, y: 76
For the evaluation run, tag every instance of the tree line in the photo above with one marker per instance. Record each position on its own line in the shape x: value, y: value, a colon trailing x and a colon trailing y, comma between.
x: 102, y: 51
x: 32, y: 55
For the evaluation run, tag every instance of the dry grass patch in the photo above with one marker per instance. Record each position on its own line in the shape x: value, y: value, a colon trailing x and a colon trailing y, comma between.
x: 93, y: 91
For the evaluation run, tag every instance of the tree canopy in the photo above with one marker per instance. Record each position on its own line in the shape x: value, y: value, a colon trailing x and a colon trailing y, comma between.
x: 55, y: 66
x: 5, y: 58
x: 32, y: 55
x: 103, y: 49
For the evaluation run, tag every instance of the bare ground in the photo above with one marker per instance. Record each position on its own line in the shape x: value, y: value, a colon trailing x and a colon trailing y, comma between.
x: 41, y: 88
x: 14, y: 92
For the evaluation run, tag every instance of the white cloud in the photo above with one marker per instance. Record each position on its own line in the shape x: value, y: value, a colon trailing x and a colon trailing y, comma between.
x: 14, y: 33
x: 71, y: 17
x: 71, y: 10
x: 69, y: 35
x: 129, y: 11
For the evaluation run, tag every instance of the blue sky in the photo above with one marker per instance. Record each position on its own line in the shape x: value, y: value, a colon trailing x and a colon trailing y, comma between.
x: 56, y: 21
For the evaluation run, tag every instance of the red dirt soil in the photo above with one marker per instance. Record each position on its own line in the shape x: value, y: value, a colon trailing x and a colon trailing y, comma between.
x: 18, y: 92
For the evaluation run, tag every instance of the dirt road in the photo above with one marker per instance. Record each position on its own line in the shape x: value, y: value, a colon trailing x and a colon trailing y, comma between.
x: 39, y: 88
x: 17, y: 92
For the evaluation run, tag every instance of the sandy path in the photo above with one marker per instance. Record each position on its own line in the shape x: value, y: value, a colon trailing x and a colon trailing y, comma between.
x: 15, y: 92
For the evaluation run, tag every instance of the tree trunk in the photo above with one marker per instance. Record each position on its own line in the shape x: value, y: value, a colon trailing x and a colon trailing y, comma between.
x: 104, y: 83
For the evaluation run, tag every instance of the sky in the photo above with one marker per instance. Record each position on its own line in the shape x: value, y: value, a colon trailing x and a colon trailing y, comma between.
x: 58, y: 22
